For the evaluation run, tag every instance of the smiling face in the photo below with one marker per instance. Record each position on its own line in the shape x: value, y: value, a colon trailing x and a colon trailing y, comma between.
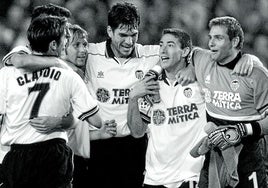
x: 171, y: 53
x: 123, y: 40
x: 76, y: 51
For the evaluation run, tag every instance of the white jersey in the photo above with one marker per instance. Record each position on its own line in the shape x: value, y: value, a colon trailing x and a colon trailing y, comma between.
x: 48, y: 92
x: 79, y: 138
x: 16, y: 50
x: 177, y: 124
x: 110, y: 81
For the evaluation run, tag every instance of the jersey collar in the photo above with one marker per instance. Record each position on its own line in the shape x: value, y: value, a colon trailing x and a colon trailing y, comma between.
x: 163, y: 77
x: 231, y: 64
x: 110, y: 54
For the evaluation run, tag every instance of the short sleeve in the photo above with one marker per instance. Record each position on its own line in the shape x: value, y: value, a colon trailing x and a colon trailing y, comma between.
x: 84, y: 105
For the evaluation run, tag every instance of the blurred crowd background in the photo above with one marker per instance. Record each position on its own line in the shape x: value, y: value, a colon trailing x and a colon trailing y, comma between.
x: 191, y: 15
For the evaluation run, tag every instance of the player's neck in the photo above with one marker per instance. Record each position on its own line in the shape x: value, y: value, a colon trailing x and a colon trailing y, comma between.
x: 172, y: 71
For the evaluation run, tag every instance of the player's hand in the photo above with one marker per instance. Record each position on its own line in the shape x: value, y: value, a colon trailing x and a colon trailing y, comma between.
x: 46, y: 124
x: 228, y: 136
x: 244, y: 66
x: 49, y: 124
x: 108, y: 129
x: 144, y: 87
x: 186, y: 76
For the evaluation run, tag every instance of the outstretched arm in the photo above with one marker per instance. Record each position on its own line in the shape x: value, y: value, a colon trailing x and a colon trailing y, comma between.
x: 33, y: 62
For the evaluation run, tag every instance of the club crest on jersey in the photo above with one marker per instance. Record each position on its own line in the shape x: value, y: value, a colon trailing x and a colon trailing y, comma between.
x: 207, y: 79
x: 139, y: 74
x: 158, y: 117
x: 102, y: 95
x: 100, y: 74
x: 234, y: 85
x: 188, y: 92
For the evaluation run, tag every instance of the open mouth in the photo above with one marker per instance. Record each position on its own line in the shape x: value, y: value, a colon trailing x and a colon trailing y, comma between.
x: 214, y: 51
x: 164, y: 58
x: 81, y: 57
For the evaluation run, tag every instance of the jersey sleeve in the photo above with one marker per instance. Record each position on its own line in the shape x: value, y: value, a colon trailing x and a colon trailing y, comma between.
x: 145, y: 110
x: 19, y: 50
x: 83, y: 103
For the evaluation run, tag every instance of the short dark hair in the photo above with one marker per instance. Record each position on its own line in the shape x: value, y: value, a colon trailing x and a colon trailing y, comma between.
x: 234, y: 28
x: 182, y: 36
x: 50, y: 9
x: 123, y: 13
x: 44, y: 30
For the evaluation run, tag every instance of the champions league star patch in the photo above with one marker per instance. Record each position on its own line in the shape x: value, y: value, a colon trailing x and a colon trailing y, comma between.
x: 188, y: 92
x: 139, y: 74
x: 234, y: 85
x: 158, y: 117
x: 102, y: 95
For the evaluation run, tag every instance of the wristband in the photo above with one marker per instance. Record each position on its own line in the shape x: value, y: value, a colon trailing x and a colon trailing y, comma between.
x: 256, y: 128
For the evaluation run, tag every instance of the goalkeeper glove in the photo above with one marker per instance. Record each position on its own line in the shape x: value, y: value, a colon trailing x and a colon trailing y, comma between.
x: 231, y: 135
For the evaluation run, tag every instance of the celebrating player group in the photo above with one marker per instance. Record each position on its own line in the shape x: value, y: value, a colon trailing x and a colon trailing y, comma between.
x: 125, y: 115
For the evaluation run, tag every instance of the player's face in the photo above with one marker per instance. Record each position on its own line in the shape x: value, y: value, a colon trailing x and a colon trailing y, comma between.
x: 170, y: 53
x: 123, y: 39
x: 76, y: 51
x: 220, y: 45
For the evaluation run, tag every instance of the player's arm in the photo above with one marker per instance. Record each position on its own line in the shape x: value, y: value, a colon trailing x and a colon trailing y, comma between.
x: 187, y: 75
x: 33, y: 62
x: 49, y: 124
x: 95, y: 120
x: 245, y: 65
x: 136, y: 123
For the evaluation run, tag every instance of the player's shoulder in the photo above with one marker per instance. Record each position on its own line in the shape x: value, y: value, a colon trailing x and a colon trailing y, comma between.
x: 17, y: 49
x: 200, y: 52
x: 97, y: 48
x: 147, y: 50
x: 259, y: 72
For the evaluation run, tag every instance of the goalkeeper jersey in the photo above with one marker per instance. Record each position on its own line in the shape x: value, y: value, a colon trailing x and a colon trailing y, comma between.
x: 231, y: 97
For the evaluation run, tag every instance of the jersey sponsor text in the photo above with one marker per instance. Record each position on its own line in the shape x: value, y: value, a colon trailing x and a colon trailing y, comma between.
x: 121, y: 96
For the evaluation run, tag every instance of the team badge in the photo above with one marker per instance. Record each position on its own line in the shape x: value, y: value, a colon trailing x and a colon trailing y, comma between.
x: 100, y: 74
x: 207, y: 79
x: 234, y: 85
x: 188, y: 92
x: 158, y: 117
x: 102, y: 95
x: 139, y: 74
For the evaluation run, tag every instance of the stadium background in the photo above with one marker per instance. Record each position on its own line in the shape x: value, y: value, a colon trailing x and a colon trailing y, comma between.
x: 191, y: 15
